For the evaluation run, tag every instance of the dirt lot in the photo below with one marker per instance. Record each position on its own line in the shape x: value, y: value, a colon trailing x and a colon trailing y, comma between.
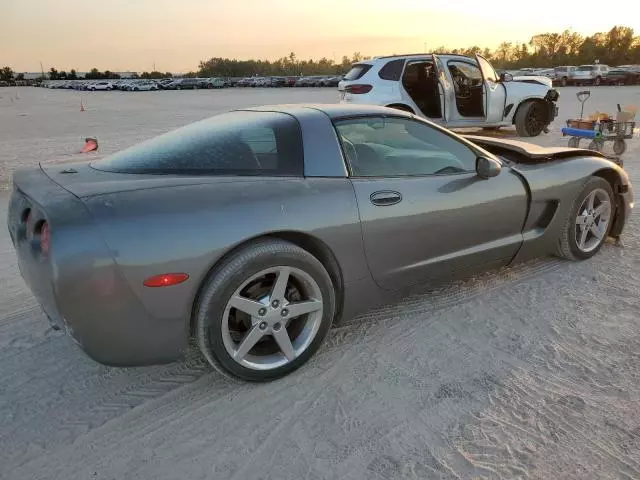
x: 530, y: 372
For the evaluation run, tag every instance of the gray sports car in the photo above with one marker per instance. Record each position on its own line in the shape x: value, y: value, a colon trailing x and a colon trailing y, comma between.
x: 254, y: 230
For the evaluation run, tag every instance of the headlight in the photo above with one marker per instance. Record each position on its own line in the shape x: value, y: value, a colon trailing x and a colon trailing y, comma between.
x: 552, y: 95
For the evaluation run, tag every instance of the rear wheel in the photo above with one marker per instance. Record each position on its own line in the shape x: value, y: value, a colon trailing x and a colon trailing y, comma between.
x: 531, y: 119
x: 619, y: 146
x: 589, y: 221
x: 597, y: 81
x: 574, y: 142
x: 595, y: 145
x: 265, y: 311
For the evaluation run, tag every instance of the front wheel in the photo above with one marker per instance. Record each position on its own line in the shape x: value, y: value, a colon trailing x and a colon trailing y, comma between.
x: 264, y: 311
x: 531, y: 119
x: 597, y: 81
x: 589, y: 221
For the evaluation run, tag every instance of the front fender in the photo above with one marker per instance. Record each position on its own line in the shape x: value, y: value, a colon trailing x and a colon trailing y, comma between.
x: 554, y: 186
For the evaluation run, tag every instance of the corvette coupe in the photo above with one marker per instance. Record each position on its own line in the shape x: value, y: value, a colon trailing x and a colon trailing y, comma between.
x: 252, y: 231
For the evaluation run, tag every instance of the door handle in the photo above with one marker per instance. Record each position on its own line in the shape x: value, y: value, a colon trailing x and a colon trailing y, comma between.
x: 385, y: 197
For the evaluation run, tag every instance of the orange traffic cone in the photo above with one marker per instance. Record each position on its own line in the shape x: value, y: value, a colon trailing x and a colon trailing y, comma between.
x: 90, y: 145
x: 81, y: 106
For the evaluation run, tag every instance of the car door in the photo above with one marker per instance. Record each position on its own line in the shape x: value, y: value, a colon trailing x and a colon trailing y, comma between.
x: 495, y: 92
x: 425, y: 213
x: 446, y: 90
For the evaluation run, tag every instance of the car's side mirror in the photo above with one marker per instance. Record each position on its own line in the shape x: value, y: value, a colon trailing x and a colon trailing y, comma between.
x: 506, y: 77
x: 487, y: 167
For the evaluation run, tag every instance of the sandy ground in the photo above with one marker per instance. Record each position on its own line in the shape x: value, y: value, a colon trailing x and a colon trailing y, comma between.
x: 529, y: 372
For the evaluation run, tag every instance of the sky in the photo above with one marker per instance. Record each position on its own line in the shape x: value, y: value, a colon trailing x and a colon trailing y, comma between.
x: 133, y: 35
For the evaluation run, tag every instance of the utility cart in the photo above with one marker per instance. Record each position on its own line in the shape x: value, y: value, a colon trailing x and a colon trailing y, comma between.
x: 600, y: 128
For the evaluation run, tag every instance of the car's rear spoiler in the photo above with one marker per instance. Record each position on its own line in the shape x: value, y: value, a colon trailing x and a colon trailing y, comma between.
x: 530, y: 150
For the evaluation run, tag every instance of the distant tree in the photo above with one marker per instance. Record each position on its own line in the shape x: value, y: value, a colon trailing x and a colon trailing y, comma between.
x: 155, y: 74
x: 73, y: 75
x: 93, y: 74
x: 20, y: 77
x: 53, y: 74
x: 6, y: 74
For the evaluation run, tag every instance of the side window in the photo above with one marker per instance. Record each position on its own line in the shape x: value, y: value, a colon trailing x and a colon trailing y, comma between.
x: 392, y: 70
x: 465, y: 73
x: 488, y: 70
x: 382, y: 146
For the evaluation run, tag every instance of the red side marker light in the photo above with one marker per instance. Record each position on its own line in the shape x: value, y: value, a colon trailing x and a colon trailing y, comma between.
x: 165, y: 279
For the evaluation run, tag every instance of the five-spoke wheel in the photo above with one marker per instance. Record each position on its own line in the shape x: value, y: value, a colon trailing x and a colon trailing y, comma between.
x: 265, y: 310
x: 589, y: 221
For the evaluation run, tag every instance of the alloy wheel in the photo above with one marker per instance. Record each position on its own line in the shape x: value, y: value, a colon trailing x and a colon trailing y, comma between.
x: 272, y: 318
x: 592, y: 221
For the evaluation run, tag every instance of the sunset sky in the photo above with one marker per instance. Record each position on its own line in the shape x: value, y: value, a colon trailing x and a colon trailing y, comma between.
x: 176, y: 34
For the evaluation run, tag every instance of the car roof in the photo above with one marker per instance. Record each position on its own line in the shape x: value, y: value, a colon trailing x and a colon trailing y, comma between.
x: 332, y: 110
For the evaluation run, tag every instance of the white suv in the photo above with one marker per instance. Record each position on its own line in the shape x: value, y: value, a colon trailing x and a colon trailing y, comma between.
x: 455, y: 91
x: 590, y: 74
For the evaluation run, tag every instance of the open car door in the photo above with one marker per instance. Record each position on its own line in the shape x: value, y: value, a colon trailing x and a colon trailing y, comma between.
x: 445, y: 89
x: 495, y: 93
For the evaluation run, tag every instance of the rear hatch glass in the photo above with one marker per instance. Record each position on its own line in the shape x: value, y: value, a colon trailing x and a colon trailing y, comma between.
x: 357, y: 71
x: 234, y: 143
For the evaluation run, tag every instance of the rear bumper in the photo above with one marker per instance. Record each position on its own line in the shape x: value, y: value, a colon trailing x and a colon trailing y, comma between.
x: 80, y: 287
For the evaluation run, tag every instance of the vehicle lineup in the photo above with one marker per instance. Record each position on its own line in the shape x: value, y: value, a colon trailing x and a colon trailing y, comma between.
x: 253, y: 231
x: 454, y: 91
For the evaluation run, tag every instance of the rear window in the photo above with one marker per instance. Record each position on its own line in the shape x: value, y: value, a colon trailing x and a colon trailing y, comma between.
x: 392, y: 70
x: 586, y: 68
x: 234, y: 143
x: 357, y: 71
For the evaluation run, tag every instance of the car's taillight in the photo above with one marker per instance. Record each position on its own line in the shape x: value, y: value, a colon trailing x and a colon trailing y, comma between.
x: 358, y: 88
x: 45, y: 238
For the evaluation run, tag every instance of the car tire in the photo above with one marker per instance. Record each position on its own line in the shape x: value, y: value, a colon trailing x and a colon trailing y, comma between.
x: 619, y: 146
x: 563, y: 82
x: 569, y: 243
x: 528, y: 123
x: 597, y: 81
x: 216, y: 317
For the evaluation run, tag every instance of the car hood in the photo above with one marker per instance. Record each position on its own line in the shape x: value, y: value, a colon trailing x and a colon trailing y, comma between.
x: 529, y: 152
x: 540, y: 79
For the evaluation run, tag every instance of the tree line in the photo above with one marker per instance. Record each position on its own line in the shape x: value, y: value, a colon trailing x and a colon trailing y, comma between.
x: 618, y: 46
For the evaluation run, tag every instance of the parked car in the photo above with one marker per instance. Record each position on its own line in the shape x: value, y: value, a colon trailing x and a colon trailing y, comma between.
x: 100, y: 86
x: 212, y: 83
x: 183, y: 84
x: 143, y: 85
x: 564, y: 75
x: 618, y: 76
x: 127, y: 253
x: 453, y: 90
x: 590, y: 74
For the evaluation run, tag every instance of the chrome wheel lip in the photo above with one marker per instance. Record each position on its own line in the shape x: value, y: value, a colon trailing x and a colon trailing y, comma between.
x: 592, y: 220
x: 299, y: 345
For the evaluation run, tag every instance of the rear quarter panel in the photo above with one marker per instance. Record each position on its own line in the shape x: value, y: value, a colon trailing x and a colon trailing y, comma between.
x: 189, y: 228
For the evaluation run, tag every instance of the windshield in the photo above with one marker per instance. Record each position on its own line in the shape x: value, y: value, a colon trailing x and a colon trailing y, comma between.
x: 586, y: 68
